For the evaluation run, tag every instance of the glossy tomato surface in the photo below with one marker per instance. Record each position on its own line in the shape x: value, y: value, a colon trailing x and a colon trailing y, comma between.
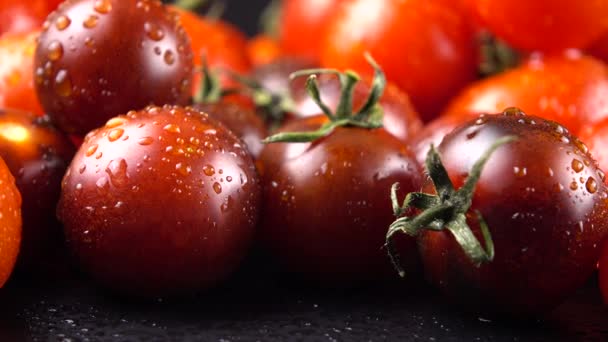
x: 544, y: 25
x: 10, y: 222
x: 301, y: 26
x: 37, y: 155
x: 242, y: 120
x: 545, y: 204
x: 160, y: 202
x: 595, y: 137
x: 98, y: 58
x: 571, y: 89
x: 400, y: 118
x: 16, y: 72
x: 425, y: 48
x: 327, y: 204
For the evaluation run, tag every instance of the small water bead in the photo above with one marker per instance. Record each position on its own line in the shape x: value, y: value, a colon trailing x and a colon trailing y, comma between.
x: 153, y: 31
x: 90, y: 22
x: 91, y: 150
x: 573, y: 185
x: 208, y: 170
x: 217, y: 187
x: 169, y: 57
x: 591, y: 185
x: 577, y: 165
x: 520, y: 171
x: 183, y: 169
x: 102, y: 6
x: 62, y: 22
x: 172, y: 128
x: 102, y: 185
x: 55, y: 50
x: 115, y: 134
x: 63, y: 84
x: 158, y: 50
x: 145, y: 141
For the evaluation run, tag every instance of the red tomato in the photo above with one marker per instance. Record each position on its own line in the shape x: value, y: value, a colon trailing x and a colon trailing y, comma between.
x: 604, y: 273
x: 10, y: 222
x: 301, y: 25
x: 425, y: 48
x: 162, y: 201
x: 263, y: 49
x: 544, y: 201
x: 544, y: 25
x: 595, y: 137
x: 571, y: 89
x: 98, y: 58
x: 22, y: 16
x: 16, y: 72
x: 38, y: 155
x: 221, y: 43
x: 599, y: 49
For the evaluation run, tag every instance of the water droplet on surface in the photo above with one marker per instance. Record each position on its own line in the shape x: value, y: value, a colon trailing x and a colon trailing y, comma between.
x: 157, y: 50
x: 63, y: 84
x: 145, y: 141
x: 102, y: 185
x: 115, y: 134
x: 217, y: 187
x: 208, y: 170
x: 62, y: 22
x: 153, y: 31
x: 169, y: 57
x: 82, y: 168
x: 117, y: 170
x: 115, y: 122
x: 229, y: 179
x: 573, y: 186
x: 520, y: 171
x: 102, y: 6
x: 183, y: 169
x: 91, y: 21
x: 172, y: 128
x: 577, y: 165
x: 79, y: 186
x: 55, y: 50
x: 91, y: 150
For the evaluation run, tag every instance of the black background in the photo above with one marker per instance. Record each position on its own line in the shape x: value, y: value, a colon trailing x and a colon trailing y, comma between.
x: 257, y: 304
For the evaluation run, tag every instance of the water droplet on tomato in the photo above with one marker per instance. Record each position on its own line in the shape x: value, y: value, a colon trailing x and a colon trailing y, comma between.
x: 591, y: 185
x: 115, y: 134
x: 229, y: 179
x: 573, y: 186
x: 91, y: 150
x: 217, y: 188
x: 153, y: 31
x: 90, y: 22
x: 520, y: 171
x: 62, y: 22
x: 157, y: 50
x: 208, y: 170
x: 115, y: 122
x: 172, y: 128
x: 63, y: 84
x: 82, y: 168
x: 117, y: 170
x: 577, y: 165
x: 54, y: 50
x: 145, y: 141
x: 102, y: 185
x: 169, y: 57
x: 183, y: 169
x: 102, y: 6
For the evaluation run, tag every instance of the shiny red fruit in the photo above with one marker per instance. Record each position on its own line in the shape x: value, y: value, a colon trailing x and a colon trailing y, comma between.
x: 98, y: 58
x: 159, y: 202
x: 10, y: 222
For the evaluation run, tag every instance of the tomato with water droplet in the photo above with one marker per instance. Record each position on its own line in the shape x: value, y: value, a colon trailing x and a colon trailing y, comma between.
x: 160, y: 202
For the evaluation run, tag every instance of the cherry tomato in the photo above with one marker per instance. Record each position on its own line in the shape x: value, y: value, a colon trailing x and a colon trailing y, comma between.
x: 160, y: 202
x: 425, y: 48
x: 570, y: 89
x: 544, y: 201
x: 595, y: 137
x: 544, y: 25
x: 16, y: 74
x: 327, y: 206
x: 220, y: 43
x: 604, y: 273
x: 263, y: 49
x: 22, y: 16
x: 242, y: 120
x: 98, y: 58
x: 38, y: 155
x: 599, y: 49
x: 400, y: 118
x: 301, y: 24
x: 10, y: 222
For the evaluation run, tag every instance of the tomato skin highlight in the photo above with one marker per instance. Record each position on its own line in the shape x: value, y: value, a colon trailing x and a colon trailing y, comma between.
x: 544, y: 201
x: 569, y: 88
x: 327, y: 205
x: 160, y: 202
x: 427, y: 49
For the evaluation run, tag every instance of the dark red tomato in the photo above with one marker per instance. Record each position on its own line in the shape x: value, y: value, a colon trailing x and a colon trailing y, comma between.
x: 433, y: 133
x: 242, y: 120
x: 98, y: 58
x: 22, y: 16
x: 38, y: 155
x: 10, y: 222
x: 604, y: 273
x: 263, y: 49
x: 425, y: 48
x: 159, y: 202
x: 400, y: 118
x: 327, y: 205
x: 596, y: 138
x: 571, y: 89
x: 544, y: 25
x: 221, y: 43
x: 16, y: 74
x: 301, y: 24
x: 545, y: 204
x: 599, y: 49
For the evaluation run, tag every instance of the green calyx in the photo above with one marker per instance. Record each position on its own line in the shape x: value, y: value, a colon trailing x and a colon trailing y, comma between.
x: 211, y: 90
x: 369, y: 116
x: 444, y: 211
x: 496, y: 55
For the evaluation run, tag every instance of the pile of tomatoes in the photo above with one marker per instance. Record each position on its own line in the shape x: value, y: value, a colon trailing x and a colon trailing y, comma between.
x: 155, y: 147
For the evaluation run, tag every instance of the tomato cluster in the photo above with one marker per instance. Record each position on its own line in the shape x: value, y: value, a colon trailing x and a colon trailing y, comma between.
x: 194, y: 143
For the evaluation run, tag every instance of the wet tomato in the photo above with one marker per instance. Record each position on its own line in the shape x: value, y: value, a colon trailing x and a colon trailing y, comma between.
x: 570, y: 89
x: 543, y: 199
x: 160, y: 202
x: 98, y: 58
x: 427, y: 49
x: 219, y: 42
x: 37, y: 154
x: 10, y: 222
x: 595, y: 137
x: 16, y: 74
x: 544, y: 25
x: 301, y: 24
